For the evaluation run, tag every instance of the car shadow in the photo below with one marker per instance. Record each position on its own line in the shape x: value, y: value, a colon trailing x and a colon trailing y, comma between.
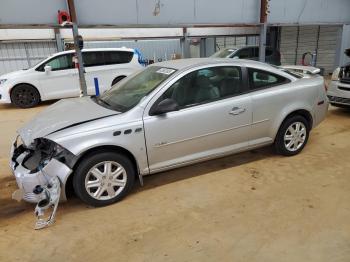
x: 339, y: 111
x: 203, y: 168
x: 10, y: 209
x: 13, y: 107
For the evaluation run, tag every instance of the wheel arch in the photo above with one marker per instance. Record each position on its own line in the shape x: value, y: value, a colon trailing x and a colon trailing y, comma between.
x: 117, y: 77
x: 302, y: 112
x: 94, y: 150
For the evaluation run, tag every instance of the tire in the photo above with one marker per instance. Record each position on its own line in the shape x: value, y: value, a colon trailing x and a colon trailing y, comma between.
x: 117, y: 79
x: 284, y: 144
x: 92, y: 170
x: 25, y: 96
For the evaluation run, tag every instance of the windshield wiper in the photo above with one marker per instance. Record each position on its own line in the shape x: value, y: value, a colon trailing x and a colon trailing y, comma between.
x: 108, y: 105
x: 104, y: 102
x: 99, y: 101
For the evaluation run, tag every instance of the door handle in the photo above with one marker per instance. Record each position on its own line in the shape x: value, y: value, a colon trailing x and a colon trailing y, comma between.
x: 236, y: 111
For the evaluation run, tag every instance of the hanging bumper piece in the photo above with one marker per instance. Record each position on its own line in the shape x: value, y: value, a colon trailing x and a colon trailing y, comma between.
x: 50, y: 196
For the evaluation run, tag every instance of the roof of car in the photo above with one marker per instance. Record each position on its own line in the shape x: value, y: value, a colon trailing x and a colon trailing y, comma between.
x: 98, y: 49
x: 244, y: 46
x: 183, y: 64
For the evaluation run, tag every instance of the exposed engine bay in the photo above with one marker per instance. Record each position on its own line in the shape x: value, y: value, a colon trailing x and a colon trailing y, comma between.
x: 40, y: 152
x: 40, y: 170
x: 344, y: 74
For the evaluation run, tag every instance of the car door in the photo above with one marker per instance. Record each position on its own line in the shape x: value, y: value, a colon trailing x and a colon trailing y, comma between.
x: 62, y: 81
x: 105, y: 66
x: 94, y: 65
x: 213, y: 119
x: 268, y: 101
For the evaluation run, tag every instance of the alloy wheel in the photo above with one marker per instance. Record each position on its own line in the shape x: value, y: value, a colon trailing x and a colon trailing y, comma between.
x: 105, y: 180
x: 295, y: 136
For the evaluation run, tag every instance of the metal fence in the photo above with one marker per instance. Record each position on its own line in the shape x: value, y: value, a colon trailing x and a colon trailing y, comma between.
x: 232, y: 41
x: 21, y: 55
x: 151, y: 49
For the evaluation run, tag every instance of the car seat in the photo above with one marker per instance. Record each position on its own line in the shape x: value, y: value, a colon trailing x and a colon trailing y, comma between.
x: 205, y: 90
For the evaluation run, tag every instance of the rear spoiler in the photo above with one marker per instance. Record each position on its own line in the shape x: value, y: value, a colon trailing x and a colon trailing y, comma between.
x: 308, y: 70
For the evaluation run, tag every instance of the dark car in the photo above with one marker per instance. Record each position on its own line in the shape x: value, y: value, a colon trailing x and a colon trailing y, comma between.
x: 272, y: 56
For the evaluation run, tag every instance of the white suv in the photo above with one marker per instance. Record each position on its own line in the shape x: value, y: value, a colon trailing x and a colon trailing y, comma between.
x: 57, y: 77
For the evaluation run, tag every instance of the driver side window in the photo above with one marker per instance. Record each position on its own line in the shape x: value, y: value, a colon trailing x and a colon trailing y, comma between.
x: 59, y: 63
x: 206, y: 85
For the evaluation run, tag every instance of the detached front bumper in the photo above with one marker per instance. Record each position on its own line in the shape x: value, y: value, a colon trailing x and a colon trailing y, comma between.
x: 28, y: 180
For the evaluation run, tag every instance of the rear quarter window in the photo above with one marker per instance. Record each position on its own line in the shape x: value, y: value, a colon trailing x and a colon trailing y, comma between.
x: 117, y: 57
x: 93, y: 59
x: 259, y: 79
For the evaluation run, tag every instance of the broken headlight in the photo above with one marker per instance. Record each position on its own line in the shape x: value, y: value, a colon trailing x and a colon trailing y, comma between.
x: 42, y: 150
x: 335, y: 75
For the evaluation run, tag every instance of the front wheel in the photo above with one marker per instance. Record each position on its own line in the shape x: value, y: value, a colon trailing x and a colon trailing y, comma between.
x: 292, y: 136
x: 103, y: 178
x: 25, y: 96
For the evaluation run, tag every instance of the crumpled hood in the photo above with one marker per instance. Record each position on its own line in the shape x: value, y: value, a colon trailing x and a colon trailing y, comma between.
x: 62, y: 114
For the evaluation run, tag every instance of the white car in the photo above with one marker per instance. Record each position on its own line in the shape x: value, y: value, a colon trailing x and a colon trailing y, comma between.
x: 57, y: 77
x: 339, y: 88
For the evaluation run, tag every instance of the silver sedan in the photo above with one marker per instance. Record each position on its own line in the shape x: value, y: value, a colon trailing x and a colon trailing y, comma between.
x: 171, y: 114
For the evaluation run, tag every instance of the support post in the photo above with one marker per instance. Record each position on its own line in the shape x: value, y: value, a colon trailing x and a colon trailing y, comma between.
x: 81, y: 70
x: 263, y: 29
x: 202, y: 48
x: 58, y: 38
x: 185, y: 45
x: 262, y: 42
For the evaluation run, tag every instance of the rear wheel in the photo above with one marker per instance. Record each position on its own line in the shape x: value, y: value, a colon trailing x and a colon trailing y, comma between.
x: 292, y: 136
x: 25, y: 96
x: 103, y: 178
x: 117, y: 79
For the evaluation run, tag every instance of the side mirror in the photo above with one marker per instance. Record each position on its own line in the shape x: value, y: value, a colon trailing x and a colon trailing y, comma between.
x: 165, y: 106
x: 47, y: 69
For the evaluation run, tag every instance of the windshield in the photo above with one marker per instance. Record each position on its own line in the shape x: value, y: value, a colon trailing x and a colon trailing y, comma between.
x: 128, y: 93
x: 223, y: 53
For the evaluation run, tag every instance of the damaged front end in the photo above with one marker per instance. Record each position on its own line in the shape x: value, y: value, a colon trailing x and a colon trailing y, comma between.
x: 41, y: 170
x: 344, y: 74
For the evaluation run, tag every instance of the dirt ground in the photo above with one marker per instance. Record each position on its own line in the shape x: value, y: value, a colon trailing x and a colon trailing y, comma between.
x: 254, y: 206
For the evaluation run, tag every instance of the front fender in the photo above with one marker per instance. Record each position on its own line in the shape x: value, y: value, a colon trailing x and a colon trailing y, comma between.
x: 130, y: 138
